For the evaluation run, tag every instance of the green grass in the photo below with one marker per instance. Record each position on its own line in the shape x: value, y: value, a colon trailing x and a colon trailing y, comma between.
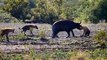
x: 101, y: 38
x: 42, y: 33
x: 97, y: 54
x: 17, y: 37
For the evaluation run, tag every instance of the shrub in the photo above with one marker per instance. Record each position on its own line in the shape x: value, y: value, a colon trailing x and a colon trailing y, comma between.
x: 98, y: 54
x: 80, y: 55
x: 101, y: 38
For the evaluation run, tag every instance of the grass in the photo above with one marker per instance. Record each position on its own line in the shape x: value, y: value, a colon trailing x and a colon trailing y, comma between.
x: 41, y: 32
x: 17, y: 37
x: 101, y: 38
x: 97, y: 54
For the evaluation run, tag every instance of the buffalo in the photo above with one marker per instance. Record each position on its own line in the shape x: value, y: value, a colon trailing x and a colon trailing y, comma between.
x: 28, y: 27
x: 86, y: 31
x: 65, y: 25
x: 6, y: 31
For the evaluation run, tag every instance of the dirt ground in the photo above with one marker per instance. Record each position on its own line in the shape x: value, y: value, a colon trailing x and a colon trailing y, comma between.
x: 49, y: 43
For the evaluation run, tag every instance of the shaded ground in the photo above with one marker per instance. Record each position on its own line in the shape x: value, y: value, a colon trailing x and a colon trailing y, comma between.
x: 49, y: 43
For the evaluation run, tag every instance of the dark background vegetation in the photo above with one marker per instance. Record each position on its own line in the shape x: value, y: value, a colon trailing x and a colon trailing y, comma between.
x: 49, y: 11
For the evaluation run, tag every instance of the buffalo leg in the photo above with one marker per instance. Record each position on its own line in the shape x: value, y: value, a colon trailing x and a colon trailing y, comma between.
x: 73, y: 34
x: 68, y: 32
x: 54, y: 34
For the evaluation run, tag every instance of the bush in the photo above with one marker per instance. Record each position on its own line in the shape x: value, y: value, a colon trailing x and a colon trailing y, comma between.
x: 101, y: 38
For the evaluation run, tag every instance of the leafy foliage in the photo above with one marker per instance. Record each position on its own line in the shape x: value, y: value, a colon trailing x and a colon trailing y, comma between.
x: 43, y: 10
x: 17, y: 8
x: 101, y: 11
x: 49, y: 11
x: 101, y: 38
x: 91, y: 10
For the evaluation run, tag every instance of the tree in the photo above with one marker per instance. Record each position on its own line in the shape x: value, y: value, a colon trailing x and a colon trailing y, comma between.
x: 84, y: 10
x: 101, y: 11
x: 91, y: 10
x: 17, y: 8
x: 45, y: 11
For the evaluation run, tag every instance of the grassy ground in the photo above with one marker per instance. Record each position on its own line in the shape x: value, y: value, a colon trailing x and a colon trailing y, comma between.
x: 97, y: 54
x: 80, y: 48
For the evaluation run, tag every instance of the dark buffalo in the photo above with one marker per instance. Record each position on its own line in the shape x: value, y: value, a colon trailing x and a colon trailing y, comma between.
x: 65, y: 25
x: 28, y: 27
x: 86, y: 31
x: 6, y: 31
